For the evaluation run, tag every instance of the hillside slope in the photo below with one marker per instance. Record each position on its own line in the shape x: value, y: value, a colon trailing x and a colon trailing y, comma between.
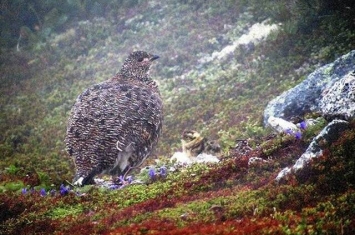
x: 223, y: 98
x: 213, y: 77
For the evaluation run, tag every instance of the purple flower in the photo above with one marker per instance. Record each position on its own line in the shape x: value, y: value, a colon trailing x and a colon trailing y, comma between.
x: 63, y: 190
x: 114, y: 186
x: 52, y: 192
x: 151, y: 173
x: 130, y: 179
x: 303, y: 125
x: 298, y: 135
x: 43, y: 192
x: 163, y: 171
x: 289, y: 131
x: 122, y: 180
x: 24, y: 191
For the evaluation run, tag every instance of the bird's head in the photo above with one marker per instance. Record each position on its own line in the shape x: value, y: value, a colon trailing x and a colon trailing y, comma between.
x: 137, y: 65
x: 190, y: 135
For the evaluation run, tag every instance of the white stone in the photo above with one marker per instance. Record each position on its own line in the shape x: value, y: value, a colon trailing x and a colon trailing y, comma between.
x: 283, y: 173
x: 304, y: 159
x: 182, y: 158
x: 281, y: 125
x: 254, y: 160
x: 204, y: 158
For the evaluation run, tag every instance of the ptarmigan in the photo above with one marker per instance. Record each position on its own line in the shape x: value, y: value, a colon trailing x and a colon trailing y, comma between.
x: 192, y: 143
x: 114, y: 125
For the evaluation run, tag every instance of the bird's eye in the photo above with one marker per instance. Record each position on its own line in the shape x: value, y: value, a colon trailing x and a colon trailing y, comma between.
x: 140, y: 59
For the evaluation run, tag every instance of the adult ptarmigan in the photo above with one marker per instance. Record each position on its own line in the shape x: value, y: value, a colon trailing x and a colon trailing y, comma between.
x: 114, y: 125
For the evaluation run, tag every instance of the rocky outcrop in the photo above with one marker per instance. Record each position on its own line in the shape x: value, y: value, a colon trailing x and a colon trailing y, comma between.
x: 330, y: 91
x: 310, y: 95
x: 328, y: 135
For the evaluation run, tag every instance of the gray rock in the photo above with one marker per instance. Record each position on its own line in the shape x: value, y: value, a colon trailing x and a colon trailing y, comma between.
x: 281, y: 126
x: 338, y: 101
x: 306, y: 96
x: 328, y: 135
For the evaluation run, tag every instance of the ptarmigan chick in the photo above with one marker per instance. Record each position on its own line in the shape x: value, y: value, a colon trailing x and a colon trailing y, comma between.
x: 114, y: 125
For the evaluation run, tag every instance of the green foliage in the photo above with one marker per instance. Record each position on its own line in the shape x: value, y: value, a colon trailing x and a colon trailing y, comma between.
x: 44, y: 179
x: 334, y: 171
x: 314, y: 130
x: 12, y: 186
x: 12, y: 169
x: 61, y: 212
x: 302, y: 14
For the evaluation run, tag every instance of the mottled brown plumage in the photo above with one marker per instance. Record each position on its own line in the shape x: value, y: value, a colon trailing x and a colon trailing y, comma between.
x: 114, y: 125
x: 194, y: 144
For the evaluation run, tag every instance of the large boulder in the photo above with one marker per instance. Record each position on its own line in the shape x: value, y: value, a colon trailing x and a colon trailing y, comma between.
x: 339, y: 100
x: 308, y: 95
x: 330, y: 91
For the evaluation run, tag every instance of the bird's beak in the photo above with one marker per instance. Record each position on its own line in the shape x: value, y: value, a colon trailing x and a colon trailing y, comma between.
x: 154, y: 57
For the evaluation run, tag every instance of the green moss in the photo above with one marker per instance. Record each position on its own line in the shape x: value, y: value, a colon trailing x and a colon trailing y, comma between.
x: 184, y: 213
x: 61, y: 212
x: 43, y: 178
x: 12, y: 186
x: 12, y: 170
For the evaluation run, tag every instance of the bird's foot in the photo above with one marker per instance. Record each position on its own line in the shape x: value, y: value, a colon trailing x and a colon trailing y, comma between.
x: 79, y: 182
